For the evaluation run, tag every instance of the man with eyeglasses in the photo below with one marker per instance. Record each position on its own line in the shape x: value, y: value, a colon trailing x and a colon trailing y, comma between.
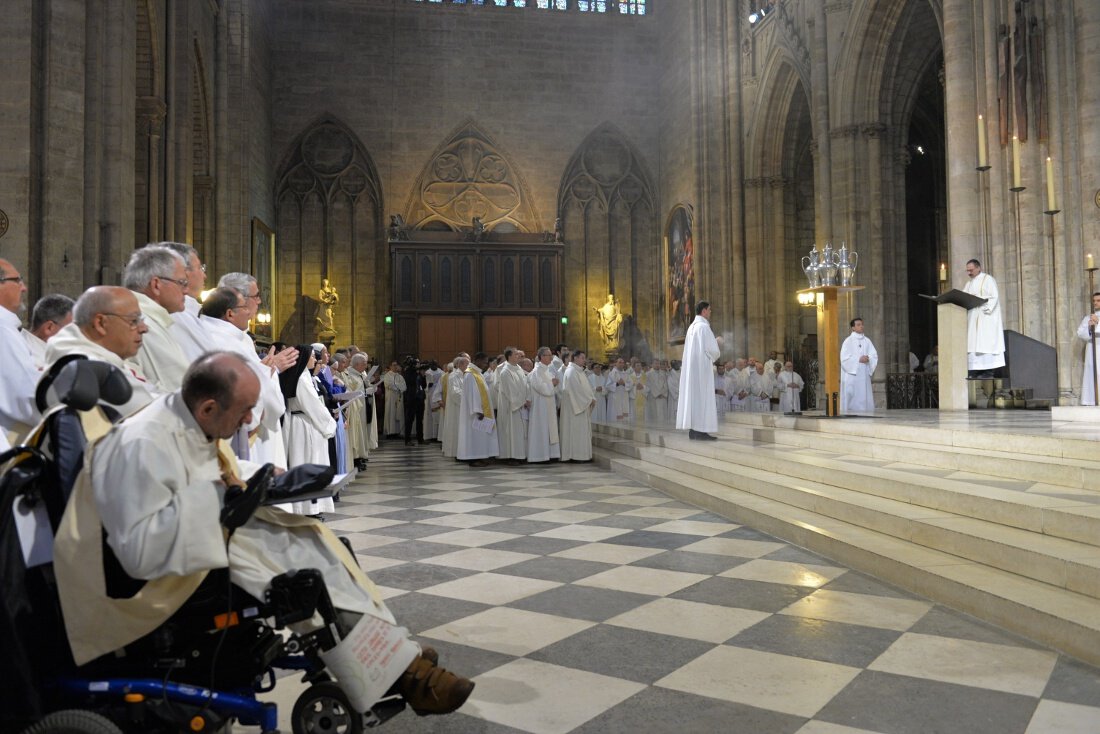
x: 108, y: 327
x: 18, y: 412
x: 158, y: 277
x: 188, y: 332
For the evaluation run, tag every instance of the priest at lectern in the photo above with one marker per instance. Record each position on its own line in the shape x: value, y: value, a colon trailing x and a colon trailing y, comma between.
x: 985, y: 336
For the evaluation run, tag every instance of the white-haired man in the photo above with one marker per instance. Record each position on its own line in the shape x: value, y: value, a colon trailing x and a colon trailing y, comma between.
x: 158, y: 277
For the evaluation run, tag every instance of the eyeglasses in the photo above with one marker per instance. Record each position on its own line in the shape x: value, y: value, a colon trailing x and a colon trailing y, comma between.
x: 12, y: 279
x: 182, y: 283
x: 134, y: 322
x: 257, y: 297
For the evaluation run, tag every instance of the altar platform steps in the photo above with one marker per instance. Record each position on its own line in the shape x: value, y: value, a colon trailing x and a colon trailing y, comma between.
x: 1028, y: 562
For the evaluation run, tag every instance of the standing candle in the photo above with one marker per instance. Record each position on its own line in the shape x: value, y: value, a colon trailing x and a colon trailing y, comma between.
x: 1050, y: 185
x: 1016, y: 178
x: 981, y: 143
x: 1089, y: 264
x: 943, y: 272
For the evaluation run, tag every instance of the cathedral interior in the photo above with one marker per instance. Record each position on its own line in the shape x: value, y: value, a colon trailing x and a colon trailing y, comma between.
x: 469, y: 174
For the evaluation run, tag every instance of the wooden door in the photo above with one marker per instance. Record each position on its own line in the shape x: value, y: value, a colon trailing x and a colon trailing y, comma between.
x: 498, y: 332
x: 442, y: 337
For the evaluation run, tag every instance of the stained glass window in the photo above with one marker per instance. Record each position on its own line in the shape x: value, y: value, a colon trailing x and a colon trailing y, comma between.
x: 625, y: 7
x: 632, y: 7
x: 553, y: 4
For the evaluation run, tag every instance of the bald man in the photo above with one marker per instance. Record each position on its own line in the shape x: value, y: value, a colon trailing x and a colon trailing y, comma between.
x: 18, y: 412
x: 107, y: 326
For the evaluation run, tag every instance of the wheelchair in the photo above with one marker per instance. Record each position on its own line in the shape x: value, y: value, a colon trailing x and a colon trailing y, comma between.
x: 199, y: 672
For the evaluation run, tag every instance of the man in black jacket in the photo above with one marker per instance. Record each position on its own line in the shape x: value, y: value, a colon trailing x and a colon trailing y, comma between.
x: 414, y: 400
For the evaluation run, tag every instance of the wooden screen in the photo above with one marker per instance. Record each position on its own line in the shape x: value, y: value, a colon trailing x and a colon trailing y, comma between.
x: 442, y: 337
x: 498, y: 332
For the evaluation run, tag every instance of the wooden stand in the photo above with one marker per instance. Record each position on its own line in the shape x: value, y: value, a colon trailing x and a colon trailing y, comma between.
x: 828, y: 311
x: 951, y: 323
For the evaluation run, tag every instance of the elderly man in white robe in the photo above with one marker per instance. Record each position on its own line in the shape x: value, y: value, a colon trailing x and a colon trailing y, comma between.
x: 739, y: 385
x: 985, y: 336
x: 577, y: 403
x: 672, y: 379
x: 620, y: 386
x: 18, y: 378
x: 761, y: 386
x: 224, y: 317
x: 50, y: 315
x: 858, y: 359
x: 1089, y: 333
x: 598, y: 382
x: 108, y: 327
x: 656, y: 396
x: 158, y: 277
x: 188, y: 331
x: 721, y: 391
x: 543, y: 441
x: 431, y: 417
x: 394, y: 384
x: 477, y: 434
x: 697, y: 411
x: 452, y: 389
x: 358, y: 428
x: 790, y: 389
x: 154, y: 487
x: 511, y: 401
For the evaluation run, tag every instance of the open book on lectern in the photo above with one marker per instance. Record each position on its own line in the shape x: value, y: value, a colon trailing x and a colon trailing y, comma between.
x: 956, y: 297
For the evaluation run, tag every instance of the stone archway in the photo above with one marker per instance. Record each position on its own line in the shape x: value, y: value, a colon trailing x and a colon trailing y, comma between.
x: 329, y: 225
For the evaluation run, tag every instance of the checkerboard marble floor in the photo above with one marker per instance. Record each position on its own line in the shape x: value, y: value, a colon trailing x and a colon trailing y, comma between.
x: 580, y: 601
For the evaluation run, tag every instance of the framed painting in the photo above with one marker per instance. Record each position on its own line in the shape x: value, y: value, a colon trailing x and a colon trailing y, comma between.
x: 679, y: 256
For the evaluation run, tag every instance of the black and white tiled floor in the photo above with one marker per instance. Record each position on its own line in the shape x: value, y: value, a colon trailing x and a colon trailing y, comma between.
x: 583, y: 602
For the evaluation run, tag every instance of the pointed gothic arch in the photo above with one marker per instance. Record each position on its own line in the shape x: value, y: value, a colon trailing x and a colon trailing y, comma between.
x: 328, y: 224
x: 469, y: 176
x: 607, y: 204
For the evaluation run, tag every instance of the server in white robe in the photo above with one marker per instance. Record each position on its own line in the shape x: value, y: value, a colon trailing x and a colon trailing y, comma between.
x: 673, y: 381
x: 543, y: 442
x: 721, y: 391
x: 637, y: 391
x: 1089, y: 332
x: 620, y: 383
x: 697, y: 411
x: 358, y: 428
x: 790, y: 389
x: 158, y: 277
x: 739, y: 385
x: 452, y: 405
x: 858, y: 359
x: 431, y: 415
x: 985, y: 336
x: 107, y: 327
x: 50, y: 315
x: 577, y: 403
x: 656, y: 398
x: 474, y: 444
x: 761, y: 385
x: 308, y: 425
x: 153, y: 488
x: 511, y: 401
x: 394, y: 383
x: 598, y: 380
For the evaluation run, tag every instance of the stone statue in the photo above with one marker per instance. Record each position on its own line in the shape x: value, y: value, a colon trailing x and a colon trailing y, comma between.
x: 610, y: 319
x: 398, y: 230
x: 559, y: 233
x: 477, y: 231
x: 328, y: 298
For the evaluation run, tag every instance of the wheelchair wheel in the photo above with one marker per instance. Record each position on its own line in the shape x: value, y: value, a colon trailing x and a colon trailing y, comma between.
x: 74, y: 721
x: 324, y: 709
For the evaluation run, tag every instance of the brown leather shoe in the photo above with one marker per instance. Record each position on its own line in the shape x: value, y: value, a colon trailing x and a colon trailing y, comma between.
x: 429, y: 689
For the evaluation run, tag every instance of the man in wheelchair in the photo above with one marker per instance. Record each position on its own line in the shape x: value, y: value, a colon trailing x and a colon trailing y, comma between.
x: 162, y: 535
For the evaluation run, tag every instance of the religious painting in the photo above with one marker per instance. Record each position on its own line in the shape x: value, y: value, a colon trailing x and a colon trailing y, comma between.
x: 263, y: 269
x: 679, y: 248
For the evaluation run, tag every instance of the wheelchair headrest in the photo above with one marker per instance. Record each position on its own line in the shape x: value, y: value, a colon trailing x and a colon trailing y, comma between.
x: 80, y: 383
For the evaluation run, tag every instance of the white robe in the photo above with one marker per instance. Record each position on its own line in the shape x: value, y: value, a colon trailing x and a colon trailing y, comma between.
x: 71, y: 340
x: 790, y: 398
x: 511, y: 397
x: 18, y: 378
x: 431, y: 417
x: 697, y: 409
x: 618, y: 399
x: 156, y: 483
x: 856, y: 395
x: 985, y: 336
x: 472, y: 443
x: 599, y: 389
x: 760, y: 387
x: 189, y: 331
x: 574, y: 423
x: 358, y: 431
x: 37, y: 349
x: 161, y: 359
x: 673, y: 381
x: 739, y: 383
x: 721, y: 394
x: 1088, y: 396
x: 306, y: 431
x: 452, y: 412
x: 394, y: 383
x: 656, y: 396
x: 543, y: 442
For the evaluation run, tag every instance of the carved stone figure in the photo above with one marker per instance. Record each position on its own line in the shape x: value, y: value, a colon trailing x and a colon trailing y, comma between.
x: 328, y: 299
x: 610, y: 318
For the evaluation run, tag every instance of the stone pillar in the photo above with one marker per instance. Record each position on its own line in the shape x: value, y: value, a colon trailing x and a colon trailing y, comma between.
x: 150, y: 128
x: 962, y: 135
x: 1086, y: 21
x: 819, y: 104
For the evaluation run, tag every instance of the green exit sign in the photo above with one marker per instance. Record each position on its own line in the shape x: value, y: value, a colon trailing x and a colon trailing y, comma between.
x: 565, y: 320
x: 389, y: 319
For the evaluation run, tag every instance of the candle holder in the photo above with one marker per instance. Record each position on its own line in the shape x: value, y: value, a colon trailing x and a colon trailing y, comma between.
x: 1053, y: 274
x: 1019, y: 257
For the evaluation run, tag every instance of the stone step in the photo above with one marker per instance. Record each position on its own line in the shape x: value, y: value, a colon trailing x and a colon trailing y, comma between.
x: 1063, y: 563
x: 1063, y: 619
x: 1049, y: 514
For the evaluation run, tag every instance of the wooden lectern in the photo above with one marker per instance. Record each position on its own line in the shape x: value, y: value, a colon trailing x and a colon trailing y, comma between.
x: 951, y: 308
x: 829, y: 355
